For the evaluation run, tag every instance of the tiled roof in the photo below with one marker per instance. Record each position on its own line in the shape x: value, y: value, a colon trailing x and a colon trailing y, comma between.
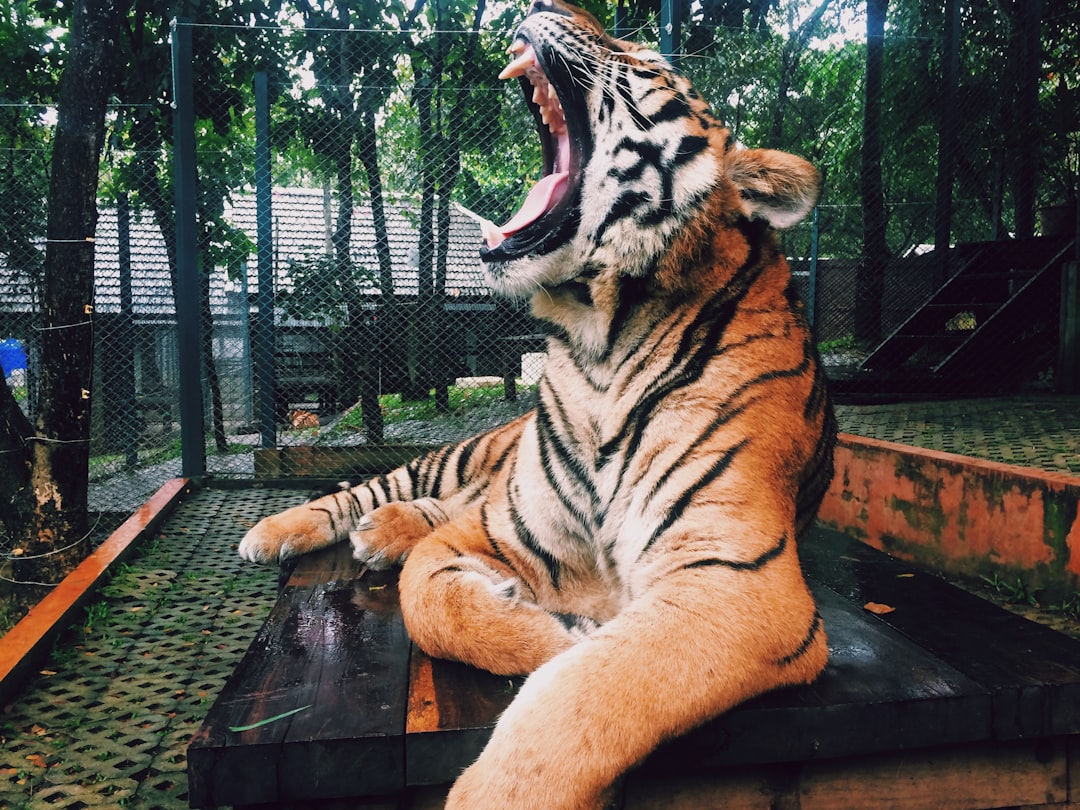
x: 302, y: 221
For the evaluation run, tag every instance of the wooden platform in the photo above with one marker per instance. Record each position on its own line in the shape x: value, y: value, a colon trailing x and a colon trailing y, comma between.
x: 946, y: 701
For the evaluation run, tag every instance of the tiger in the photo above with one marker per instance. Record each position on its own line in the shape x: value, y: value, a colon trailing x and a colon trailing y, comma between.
x: 630, y: 545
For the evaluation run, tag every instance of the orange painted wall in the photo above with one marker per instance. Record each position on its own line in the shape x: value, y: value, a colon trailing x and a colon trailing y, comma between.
x: 958, y: 514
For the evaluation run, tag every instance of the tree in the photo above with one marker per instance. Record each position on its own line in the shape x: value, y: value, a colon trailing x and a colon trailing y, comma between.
x: 43, y: 465
x: 870, y: 278
x: 353, y: 63
x: 225, y: 58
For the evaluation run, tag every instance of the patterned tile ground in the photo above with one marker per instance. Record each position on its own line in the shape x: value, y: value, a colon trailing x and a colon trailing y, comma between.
x: 1034, y: 432
x: 107, y: 721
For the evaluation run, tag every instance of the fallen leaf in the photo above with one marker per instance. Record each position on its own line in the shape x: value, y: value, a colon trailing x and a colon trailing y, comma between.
x: 268, y: 720
x: 878, y: 608
x: 36, y: 760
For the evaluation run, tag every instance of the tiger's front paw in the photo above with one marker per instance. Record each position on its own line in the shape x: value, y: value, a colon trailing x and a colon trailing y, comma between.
x: 384, y: 537
x: 291, y: 533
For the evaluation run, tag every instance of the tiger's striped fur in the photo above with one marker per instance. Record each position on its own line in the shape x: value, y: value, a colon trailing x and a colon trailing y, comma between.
x: 632, y: 542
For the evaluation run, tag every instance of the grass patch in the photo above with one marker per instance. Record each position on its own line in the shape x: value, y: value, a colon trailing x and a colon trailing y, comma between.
x: 462, y: 398
x: 840, y: 344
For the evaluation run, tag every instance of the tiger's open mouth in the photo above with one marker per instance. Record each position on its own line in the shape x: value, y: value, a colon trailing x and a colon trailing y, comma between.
x: 538, y: 226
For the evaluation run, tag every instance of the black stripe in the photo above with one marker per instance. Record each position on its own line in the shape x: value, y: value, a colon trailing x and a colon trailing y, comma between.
x: 649, y: 155
x: 465, y: 453
x: 625, y: 205
x: 632, y: 293
x: 448, y: 569
x: 331, y: 515
x: 724, y: 415
x: 800, y: 651
x: 435, y: 488
x: 570, y: 460
x: 739, y: 565
x: 680, y: 505
x: 571, y: 466
x: 412, y: 469
x: 622, y: 85
x: 496, y: 549
x: 674, y: 108
x: 529, y: 541
x: 384, y: 485
x: 689, y: 361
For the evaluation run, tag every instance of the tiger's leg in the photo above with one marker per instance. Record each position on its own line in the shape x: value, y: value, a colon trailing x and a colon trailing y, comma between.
x: 461, y: 602
x: 456, y: 475
x: 696, y: 644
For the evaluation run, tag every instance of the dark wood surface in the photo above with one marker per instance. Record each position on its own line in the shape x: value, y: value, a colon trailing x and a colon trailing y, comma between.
x: 337, y: 646
x: 941, y: 668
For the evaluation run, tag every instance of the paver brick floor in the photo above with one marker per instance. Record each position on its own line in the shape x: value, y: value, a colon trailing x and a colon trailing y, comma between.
x: 1041, y: 432
x: 107, y: 721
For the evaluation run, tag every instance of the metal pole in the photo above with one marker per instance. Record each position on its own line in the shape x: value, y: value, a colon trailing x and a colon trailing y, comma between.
x: 947, y: 141
x: 126, y: 364
x: 621, y: 21
x: 811, y: 293
x: 188, y: 323
x: 263, y: 333
x: 670, y: 30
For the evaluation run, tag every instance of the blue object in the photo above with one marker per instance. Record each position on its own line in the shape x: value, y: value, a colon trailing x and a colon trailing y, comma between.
x: 12, y: 356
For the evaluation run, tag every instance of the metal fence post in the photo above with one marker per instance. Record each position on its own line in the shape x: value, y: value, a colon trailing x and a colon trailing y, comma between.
x: 126, y: 343
x: 1068, y: 371
x: 263, y: 327
x: 811, y: 291
x: 671, y: 30
x: 189, y: 325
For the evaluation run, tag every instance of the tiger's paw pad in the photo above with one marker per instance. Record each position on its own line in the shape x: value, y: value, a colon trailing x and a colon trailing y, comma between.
x: 376, y: 559
x: 260, y: 546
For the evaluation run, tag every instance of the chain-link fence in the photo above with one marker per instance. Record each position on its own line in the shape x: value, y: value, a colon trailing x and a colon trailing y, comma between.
x: 336, y: 288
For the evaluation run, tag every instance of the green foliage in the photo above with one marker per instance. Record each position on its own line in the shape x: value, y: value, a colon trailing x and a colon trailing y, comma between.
x: 320, y: 288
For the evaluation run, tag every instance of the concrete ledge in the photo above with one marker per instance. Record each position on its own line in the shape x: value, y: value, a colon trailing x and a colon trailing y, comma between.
x: 28, y: 642
x: 958, y: 514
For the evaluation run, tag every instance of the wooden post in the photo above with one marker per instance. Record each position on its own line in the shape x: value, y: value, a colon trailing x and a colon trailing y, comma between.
x: 1068, y: 370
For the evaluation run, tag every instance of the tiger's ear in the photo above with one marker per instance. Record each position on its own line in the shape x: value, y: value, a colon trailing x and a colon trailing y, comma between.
x: 774, y: 186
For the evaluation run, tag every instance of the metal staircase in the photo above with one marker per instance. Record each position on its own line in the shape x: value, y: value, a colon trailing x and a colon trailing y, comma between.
x: 1001, y: 296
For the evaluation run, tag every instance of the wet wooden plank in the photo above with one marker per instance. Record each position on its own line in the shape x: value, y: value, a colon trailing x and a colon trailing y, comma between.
x: 942, y: 669
x: 1031, y: 671
x: 983, y: 775
x: 452, y: 711
x: 879, y: 692
x: 311, y: 462
x: 331, y: 664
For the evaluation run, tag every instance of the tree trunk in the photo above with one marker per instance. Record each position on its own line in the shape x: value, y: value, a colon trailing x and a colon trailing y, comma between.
x: 47, y: 518
x: 870, y: 278
x: 369, y: 381
x: 790, y: 58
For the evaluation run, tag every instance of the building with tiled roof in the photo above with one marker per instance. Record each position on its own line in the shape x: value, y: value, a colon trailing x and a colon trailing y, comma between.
x: 303, y: 220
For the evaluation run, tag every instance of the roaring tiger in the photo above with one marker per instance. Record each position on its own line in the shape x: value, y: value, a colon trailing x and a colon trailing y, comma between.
x: 632, y: 542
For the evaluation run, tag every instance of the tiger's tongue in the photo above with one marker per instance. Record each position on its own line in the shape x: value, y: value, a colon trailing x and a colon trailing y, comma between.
x: 541, y: 197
